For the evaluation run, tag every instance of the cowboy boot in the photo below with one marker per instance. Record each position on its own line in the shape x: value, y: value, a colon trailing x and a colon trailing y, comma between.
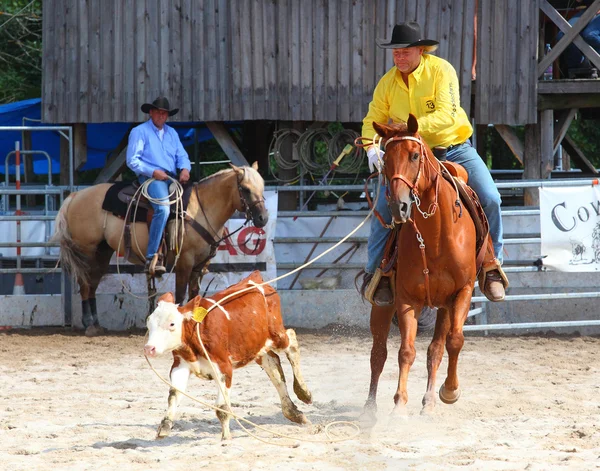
x: 377, y: 289
x: 154, y: 266
x: 383, y: 294
x: 493, y: 281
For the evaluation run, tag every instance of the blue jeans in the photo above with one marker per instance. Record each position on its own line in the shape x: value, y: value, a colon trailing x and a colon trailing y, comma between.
x: 159, y: 190
x: 480, y: 180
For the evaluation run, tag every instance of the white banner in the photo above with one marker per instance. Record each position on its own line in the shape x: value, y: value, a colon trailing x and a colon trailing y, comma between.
x: 247, y: 250
x: 570, y: 228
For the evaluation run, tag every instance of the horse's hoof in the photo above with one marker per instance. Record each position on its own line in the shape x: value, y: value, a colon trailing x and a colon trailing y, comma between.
x: 367, y: 419
x: 428, y: 410
x: 94, y: 331
x: 164, y: 429
x: 399, y: 412
x: 447, y: 396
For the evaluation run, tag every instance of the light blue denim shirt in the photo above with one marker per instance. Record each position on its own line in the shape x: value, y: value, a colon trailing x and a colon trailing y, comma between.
x: 146, y: 152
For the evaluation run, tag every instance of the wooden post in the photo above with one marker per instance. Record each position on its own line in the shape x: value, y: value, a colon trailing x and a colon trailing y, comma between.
x: 64, y: 161
x: 546, y: 123
x: 79, y: 148
x: 532, y: 163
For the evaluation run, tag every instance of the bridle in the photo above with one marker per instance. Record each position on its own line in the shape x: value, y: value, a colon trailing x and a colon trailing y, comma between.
x: 246, y: 207
x: 414, y: 184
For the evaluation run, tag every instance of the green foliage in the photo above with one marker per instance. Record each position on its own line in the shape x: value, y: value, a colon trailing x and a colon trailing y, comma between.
x: 586, y: 134
x: 20, y: 50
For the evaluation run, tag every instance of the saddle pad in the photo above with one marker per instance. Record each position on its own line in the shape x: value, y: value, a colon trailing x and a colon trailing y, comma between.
x: 114, y: 205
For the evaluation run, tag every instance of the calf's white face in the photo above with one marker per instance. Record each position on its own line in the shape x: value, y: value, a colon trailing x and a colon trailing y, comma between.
x: 164, y: 328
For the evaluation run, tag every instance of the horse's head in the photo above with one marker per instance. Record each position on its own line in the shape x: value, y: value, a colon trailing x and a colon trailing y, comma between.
x: 404, y: 161
x: 251, y: 187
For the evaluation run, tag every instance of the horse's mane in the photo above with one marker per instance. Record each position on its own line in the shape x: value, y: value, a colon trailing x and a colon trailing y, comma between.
x: 250, y: 175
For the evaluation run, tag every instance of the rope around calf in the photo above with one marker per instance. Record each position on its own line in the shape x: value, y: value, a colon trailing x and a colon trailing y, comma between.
x: 239, y: 419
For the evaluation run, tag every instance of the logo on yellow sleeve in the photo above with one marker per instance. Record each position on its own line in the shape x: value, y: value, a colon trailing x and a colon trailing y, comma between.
x: 428, y: 104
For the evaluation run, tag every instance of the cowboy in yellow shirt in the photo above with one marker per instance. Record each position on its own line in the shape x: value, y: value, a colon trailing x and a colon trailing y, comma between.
x: 427, y: 86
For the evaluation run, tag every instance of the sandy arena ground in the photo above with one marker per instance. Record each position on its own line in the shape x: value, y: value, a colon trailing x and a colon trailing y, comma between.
x: 528, y: 403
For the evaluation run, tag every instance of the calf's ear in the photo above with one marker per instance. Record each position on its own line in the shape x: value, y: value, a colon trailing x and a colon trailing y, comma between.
x: 189, y: 307
x: 168, y: 297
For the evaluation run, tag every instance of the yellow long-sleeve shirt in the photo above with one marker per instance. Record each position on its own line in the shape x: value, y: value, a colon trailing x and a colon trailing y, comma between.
x: 432, y: 96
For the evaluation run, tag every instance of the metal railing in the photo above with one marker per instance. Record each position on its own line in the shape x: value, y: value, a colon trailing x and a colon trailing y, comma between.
x: 479, y: 311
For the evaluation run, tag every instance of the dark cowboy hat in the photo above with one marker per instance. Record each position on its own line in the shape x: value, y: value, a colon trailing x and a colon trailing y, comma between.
x: 161, y: 103
x: 408, y: 35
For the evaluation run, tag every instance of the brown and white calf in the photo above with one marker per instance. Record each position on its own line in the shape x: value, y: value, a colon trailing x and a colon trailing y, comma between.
x: 247, y: 327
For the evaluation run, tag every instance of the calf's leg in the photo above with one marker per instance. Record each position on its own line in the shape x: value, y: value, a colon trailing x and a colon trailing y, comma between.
x: 179, y: 379
x: 223, y: 393
x: 272, y: 366
x: 292, y: 352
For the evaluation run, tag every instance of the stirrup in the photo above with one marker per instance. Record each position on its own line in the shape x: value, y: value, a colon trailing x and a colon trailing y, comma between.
x: 371, y: 288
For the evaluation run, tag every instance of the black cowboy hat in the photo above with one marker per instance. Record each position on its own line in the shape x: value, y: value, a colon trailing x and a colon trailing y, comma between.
x: 408, y: 35
x: 161, y: 103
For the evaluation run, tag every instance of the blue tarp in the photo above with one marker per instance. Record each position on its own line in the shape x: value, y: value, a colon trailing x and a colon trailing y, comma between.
x: 101, y: 138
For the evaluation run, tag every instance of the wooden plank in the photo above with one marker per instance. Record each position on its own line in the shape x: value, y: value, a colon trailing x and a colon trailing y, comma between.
x: 294, y: 51
x: 283, y: 59
x: 355, y: 111
x: 484, y: 62
x: 106, y: 47
x: 126, y: 98
x: 343, y: 80
x: 306, y: 60
x: 465, y: 64
x: 576, y: 100
x: 175, y: 55
x: 257, y: 65
x: 141, y: 25
x: 226, y: 142
x: 512, y: 141
x: 569, y: 86
x: 565, y: 26
x: 235, y: 61
x: 198, y: 61
x: 568, y: 38
x: 114, y: 168
x: 565, y: 118
x: 332, y: 62
x: 578, y: 156
x: 94, y: 59
x: 247, y: 95
x: 547, y: 138
x: 223, y: 85
x: 270, y: 46
x: 319, y: 32
x: 186, y: 55
x: 510, y: 67
x: 72, y: 52
x: 117, y: 104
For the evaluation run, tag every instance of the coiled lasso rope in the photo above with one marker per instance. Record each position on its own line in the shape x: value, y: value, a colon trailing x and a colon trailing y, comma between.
x: 176, y: 190
x: 216, y: 304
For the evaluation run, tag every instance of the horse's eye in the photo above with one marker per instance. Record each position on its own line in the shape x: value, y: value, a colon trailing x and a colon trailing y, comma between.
x: 414, y: 156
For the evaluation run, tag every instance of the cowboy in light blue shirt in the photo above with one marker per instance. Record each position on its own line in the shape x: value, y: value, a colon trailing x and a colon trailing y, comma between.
x: 154, y: 151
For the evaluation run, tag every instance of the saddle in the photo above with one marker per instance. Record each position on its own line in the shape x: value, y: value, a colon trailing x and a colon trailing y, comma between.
x: 121, y: 195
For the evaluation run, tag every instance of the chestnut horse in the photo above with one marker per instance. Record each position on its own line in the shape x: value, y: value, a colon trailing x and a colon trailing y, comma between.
x: 436, y: 266
x: 89, y: 235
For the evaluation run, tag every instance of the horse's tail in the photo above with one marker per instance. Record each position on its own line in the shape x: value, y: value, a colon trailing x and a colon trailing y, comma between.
x: 71, y: 256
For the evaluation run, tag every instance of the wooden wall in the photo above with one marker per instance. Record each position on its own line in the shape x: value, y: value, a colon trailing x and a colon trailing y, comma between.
x: 311, y: 60
x: 507, y: 41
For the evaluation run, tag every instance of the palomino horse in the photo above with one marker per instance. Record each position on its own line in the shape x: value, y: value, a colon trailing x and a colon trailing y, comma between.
x: 89, y: 235
x: 436, y: 266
